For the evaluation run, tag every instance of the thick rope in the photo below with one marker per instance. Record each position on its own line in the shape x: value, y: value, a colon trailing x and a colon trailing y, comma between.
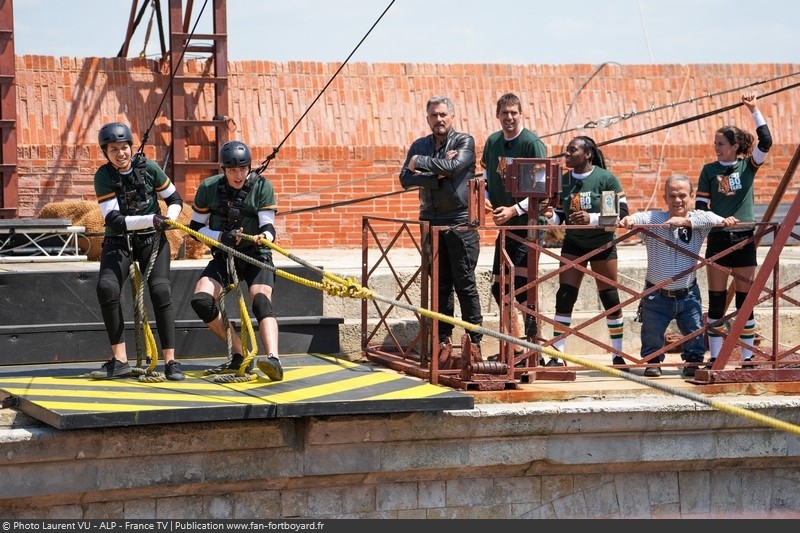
x: 350, y: 288
x: 247, y: 335
x: 145, y: 340
x: 236, y: 253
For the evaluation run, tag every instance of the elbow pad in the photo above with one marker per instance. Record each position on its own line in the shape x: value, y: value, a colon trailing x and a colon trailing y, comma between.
x: 764, y: 138
x: 173, y: 199
x: 195, y: 226
x: 116, y: 221
x: 268, y: 229
x: 701, y: 206
x: 623, y: 209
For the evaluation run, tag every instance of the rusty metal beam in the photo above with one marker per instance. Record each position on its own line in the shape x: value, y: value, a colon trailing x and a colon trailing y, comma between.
x: 765, y: 270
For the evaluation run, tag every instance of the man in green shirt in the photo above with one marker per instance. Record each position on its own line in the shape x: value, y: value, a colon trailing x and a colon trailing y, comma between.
x: 513, y: 140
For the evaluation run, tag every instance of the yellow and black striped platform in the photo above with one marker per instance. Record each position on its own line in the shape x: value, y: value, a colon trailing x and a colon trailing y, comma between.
x: 63, y: 396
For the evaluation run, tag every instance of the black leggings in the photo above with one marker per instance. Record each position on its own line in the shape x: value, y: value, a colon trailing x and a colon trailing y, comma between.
x: 115, y: 263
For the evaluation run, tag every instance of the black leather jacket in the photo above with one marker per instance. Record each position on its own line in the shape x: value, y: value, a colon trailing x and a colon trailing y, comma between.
x: 441, y: 199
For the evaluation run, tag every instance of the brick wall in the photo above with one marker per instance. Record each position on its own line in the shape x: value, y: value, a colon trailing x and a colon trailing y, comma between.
x: 352, y: 141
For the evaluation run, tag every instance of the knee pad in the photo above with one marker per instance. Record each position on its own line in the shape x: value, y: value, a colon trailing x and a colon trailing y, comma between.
x: 262, y: 307
x: 161, y: 294
x: 205, y: 307
x: 740, y: 298
x: 610, y: 298
x: 496, y: 292
x: 716, y: 304
x: 108, y: 291
x: 566, y: 296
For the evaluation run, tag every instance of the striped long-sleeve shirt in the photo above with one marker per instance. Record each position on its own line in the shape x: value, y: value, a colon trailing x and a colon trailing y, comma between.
x: 665, y: 262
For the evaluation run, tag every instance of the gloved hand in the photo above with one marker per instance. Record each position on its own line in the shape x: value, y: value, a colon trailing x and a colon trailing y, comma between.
x: 230, y: 238
x: 160, y: 224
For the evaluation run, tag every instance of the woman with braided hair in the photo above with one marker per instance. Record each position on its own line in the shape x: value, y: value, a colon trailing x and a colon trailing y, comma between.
x: 581, y: 201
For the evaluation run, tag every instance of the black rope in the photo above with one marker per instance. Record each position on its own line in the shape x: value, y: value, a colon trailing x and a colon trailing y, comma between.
x: 274, y: 153
x: 591, y: 76
x: 162, y: 42
x: 136, y: 22
x: 611, y: 141
x: 346, y: 202
x: 608, y: 121
x: 685, y: 120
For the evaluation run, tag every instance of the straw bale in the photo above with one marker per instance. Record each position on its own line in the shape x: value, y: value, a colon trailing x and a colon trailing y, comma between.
x: 86, y: 213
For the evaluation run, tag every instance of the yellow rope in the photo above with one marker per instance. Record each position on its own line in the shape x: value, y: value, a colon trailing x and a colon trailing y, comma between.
x: 337, y: 286
x: 248, y: 335
x: 236, y: 253
x: 143, y: 332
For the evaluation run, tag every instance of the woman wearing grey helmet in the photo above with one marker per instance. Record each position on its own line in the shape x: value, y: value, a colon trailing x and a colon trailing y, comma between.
x: 238, y: 200
x: 127, y: 190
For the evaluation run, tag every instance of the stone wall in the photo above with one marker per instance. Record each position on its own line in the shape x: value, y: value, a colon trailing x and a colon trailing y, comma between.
x: 652, y: 456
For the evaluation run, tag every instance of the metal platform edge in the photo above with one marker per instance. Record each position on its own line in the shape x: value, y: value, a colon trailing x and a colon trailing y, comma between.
x: 340, y: 387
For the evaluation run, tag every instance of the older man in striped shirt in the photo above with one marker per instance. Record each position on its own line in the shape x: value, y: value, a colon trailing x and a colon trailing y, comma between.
x: 672, y: 250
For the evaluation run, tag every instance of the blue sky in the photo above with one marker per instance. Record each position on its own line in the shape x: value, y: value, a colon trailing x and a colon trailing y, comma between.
x: 444, y: 31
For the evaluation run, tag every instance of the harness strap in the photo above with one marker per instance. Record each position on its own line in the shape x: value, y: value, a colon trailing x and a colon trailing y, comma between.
x: 233, y: 211
x: 130, y: 189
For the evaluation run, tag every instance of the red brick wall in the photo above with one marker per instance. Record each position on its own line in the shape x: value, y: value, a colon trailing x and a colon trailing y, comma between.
x: 353, y: 140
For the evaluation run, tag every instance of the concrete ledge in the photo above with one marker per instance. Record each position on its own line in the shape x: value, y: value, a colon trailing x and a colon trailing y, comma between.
x: 545, y: 459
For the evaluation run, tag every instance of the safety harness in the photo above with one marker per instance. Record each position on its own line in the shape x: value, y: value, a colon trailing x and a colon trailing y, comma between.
x: 130, y: 189
x: 235, y: 210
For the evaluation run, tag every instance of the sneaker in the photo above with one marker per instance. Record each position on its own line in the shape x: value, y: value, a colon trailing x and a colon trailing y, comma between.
x: 113, y: 368
x: 690, y: 370
x: 617, y: 360
x: 652, y: 371
x: 747, y: 364
x: 554, y: 362
x: 271, y: 367
x: 710, y: 363
x: 172, y: 371
x: 233, y: 366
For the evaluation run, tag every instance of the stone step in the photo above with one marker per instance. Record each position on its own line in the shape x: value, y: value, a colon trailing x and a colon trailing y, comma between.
x: 49, y: 313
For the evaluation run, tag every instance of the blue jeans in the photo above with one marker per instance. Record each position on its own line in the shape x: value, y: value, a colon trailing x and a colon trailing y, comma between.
x: 658, y: 311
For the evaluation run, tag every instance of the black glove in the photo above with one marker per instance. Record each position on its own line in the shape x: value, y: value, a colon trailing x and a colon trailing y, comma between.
x: 229, y: 238
x: 160, y: 224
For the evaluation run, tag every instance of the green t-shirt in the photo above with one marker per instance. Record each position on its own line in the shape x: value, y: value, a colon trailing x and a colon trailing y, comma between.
x: 729, y: 189
x: 138, y: 202
x: 208, y: 200
x: 526, y: 144
x: 586, y: 195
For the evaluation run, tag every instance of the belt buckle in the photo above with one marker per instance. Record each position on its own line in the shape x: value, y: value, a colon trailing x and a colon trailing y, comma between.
x: 677, y: 293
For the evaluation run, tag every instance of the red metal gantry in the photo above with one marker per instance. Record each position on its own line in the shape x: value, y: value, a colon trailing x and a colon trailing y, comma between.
x: 461, y: 366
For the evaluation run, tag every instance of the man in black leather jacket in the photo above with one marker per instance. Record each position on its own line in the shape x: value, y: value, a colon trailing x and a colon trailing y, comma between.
x: 440, y: 165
